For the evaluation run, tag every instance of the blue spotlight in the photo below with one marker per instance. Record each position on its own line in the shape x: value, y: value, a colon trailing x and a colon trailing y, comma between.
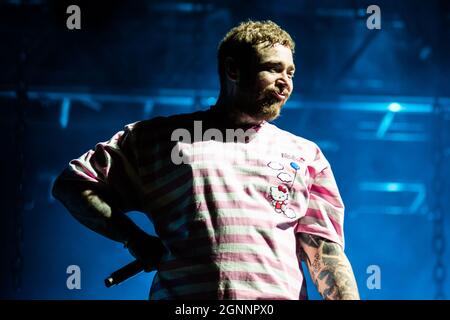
x: 65, y: 112
x: 392, y: 187
x: 394, y: 107
x: 210, y: 101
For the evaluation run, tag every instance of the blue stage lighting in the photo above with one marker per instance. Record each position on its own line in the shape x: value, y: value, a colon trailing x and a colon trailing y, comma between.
x: 394, y: 107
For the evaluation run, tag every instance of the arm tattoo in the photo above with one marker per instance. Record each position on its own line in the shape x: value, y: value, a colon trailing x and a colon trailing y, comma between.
x: 316, y: 264
x: 330, y: 269
x: 310, y: 240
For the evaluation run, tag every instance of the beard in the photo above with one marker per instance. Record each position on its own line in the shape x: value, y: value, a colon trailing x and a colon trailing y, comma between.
x: 260, y: 106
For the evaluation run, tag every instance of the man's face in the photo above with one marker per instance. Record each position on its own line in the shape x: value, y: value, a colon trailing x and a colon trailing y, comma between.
x: 267, y: 87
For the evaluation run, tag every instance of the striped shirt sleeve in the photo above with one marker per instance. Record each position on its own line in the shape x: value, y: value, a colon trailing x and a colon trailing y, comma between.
x: 325, y: 213
x: 111, y: 166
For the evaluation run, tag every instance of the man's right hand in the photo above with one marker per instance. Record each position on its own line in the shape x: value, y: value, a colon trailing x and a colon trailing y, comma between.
x: 147, y: 249
x: 96, y: 209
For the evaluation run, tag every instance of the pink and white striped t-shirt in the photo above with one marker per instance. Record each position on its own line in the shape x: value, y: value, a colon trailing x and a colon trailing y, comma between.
x: 229, y: 213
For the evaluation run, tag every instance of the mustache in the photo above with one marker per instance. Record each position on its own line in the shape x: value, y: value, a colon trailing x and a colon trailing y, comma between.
x: 284, y: 92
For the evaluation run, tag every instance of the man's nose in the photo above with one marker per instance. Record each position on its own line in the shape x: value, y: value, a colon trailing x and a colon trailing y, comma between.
x: 284, y: 83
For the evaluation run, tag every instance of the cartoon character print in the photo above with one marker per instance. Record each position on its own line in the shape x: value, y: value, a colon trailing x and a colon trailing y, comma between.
x: 280, y: 198
x: 279, y: 195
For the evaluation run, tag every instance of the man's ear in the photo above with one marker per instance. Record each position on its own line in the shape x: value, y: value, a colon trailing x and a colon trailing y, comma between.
x: 232, y: 70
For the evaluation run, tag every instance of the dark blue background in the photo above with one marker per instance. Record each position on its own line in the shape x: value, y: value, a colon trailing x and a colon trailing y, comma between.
x: 138, y: 59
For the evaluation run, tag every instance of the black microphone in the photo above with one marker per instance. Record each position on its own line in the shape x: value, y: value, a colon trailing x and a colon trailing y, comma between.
x: 124, y: 273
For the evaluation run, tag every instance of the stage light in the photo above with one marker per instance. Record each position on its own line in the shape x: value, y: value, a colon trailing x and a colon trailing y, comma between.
x: 394, y: 107
x: 65, y: 113
x: 392, y: 187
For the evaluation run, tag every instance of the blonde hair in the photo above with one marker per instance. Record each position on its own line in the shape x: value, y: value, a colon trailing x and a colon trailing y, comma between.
x: 241, y: 41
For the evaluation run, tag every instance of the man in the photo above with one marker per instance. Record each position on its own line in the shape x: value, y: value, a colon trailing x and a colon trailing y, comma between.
x: 233, y: 218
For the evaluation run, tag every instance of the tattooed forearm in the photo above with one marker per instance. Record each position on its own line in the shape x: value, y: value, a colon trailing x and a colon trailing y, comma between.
x: 316, y: 265
x: 309, y: 240
x: 329, y: 268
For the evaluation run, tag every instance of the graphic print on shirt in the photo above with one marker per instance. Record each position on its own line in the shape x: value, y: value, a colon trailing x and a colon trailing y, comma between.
x: 279, y: 195
x: 285, y: 177
x: 275, y: 165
